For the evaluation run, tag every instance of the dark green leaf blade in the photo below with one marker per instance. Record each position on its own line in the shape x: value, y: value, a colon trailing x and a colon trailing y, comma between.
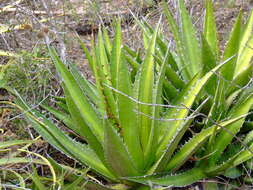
x: 116, y: 153
x: 174, y: 180
x: 127, y: 115
x: 145, y: 91
x: 210, y: 31
x: 189, y: 41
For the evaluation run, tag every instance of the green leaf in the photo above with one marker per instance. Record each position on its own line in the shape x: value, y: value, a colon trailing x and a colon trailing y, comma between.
x: 87, y: 87
x: 185, y: 99
x: 116, y: 55
x: 216, y: 112
x: 145, y: 41
x: 233, y: 161
x: 189, y: 41
x: 210, y: 31
x: 82, y: 104
x: 175, y: 127
x: 65, y: 118
x: 102, y: 58
x: 127, y: 116
x: 188, y: 149
x: 104, y: 78
x: 226, y: 136
x: 249, y: 164
x: 244, y: 155
x: 244, y: 61
x: 108, y: 44
x: 7, y: 144
x: 209, y: 62
x: 177, y: 38
x: 233, y: 173
x: 74, y: 184
x: 87, y: 54
x: 134, y: 54
x: 241, y: 80
x: 133, y: 63
x: 94, y: 141
x: 170, y: 92
x: 195, y: 143
x: 174, y: 180
x: 21, y: 181
x: 59, y: 99
x: 145, y: 91
x: 249, y: 137
x: 149, y: 154
x: 245, y: 49
x: 62, y: 142
x: 20, y: 160
x: 210, y: 186
x: 116, y: 153
x: 162, y: 44
x: 231, y: 50
x: 171, y: 75
x: 62, y: 106
x: 90, y: 185
x: 36, y: 180
x: 96, y: 68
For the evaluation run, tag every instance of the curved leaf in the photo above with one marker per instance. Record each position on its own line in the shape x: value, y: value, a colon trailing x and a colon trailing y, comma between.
x: 194, y: 143
x: 189, y: 41
x: 62, y: 142
x: 7, y: 144
x: 185, y: 99
x: 146, y: 84
x: 179, y: 44
x: 85, y: 108
x: 116, y: 153
x: 245, y: 52
x: 210, y: 31
x: 174, y: 180
x: 225, y: 137
x: 231, y: 50
x: 127, y: 115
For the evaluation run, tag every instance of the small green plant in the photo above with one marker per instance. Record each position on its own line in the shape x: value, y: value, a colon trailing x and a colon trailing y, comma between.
x: 10, y: 158
x: 30, y: 74
x: 62, y: 176
x: 133, y: 120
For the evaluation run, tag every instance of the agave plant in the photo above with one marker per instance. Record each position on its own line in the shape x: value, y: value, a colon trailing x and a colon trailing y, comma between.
x: 132, y: 121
